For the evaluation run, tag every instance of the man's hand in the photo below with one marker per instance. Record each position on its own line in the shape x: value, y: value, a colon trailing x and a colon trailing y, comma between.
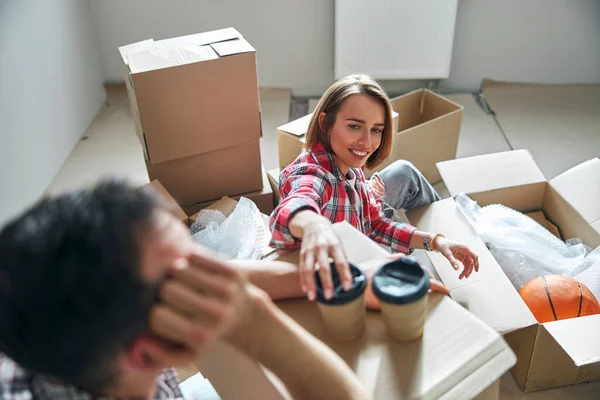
x: 371, y: 267
x: 200, y: 302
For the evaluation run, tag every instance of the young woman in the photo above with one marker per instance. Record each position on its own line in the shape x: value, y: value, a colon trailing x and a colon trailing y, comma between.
x: 351, y: 128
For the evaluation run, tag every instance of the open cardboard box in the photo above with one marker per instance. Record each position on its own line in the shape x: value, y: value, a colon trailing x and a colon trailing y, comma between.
x: 192, y: 94
x: 551, y: 354
x: 273, y: 175
x: 428, y: 130
x: 459, y: 357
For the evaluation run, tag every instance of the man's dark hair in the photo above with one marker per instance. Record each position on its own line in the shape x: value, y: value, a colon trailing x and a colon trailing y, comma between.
x: 71, y: 292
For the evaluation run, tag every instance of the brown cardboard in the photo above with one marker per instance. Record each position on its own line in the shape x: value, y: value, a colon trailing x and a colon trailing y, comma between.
x: 428, y: 131
x: 540, y: 218
x: 458, y: 357
x: 194, y: 94
x: 548, y: 355
x: 291, y: 138
x: 170, y: 201
x: 225, y: 172
x: 263, y: 199
x: 273, y: 175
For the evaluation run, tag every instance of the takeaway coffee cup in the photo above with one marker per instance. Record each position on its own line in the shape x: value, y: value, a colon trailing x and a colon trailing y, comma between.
x: 344, y: 313
x: 401, y: 287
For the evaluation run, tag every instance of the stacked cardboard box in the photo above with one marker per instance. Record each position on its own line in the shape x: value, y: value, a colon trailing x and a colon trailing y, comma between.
x: 426, y: 130
x: 195, y: 105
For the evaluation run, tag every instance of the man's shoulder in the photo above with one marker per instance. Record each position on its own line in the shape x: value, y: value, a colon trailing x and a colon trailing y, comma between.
x: 15, y: 382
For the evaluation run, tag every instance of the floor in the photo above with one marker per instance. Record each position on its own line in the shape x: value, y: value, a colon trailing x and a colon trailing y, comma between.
x: 559, y: 125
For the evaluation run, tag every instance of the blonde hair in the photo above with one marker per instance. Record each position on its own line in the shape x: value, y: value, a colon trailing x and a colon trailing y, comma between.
x: 330, y: 104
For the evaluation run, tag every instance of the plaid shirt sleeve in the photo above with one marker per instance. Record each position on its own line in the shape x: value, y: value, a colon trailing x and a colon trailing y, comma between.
x: 302, y: 187
x: 387, y: 231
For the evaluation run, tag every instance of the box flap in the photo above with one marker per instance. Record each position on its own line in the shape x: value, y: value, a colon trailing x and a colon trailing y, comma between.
x: 230, y: 47
x: 297, y: 127
x: 165, y: 58
x: 200, y: 39
x: 490, y: 172
x: 488, y: 294
x: 138, y: 47
x: 580, y: 186
x: 578, y: 337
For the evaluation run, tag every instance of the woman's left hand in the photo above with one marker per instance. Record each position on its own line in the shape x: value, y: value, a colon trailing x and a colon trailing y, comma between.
x: 459, y: 255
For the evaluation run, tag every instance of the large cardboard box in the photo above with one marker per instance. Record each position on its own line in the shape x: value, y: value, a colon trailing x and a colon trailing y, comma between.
x: 207, y: 176
x: 428, y: 131
x: 551, y: 354
x: 263, y: 198
x: 459, y: 357
x: 291, y: 138
x: 170, y: 201
x: 193, y: 94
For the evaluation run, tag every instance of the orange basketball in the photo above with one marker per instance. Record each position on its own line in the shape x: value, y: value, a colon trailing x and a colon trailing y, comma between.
x: 554, y: 297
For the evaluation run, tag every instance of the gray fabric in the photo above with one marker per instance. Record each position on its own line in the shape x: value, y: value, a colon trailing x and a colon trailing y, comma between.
x: 405, y: 188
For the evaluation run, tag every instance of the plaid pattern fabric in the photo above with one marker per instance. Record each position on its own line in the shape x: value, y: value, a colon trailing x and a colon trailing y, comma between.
x: 314, y: 182
x: 19, y: 384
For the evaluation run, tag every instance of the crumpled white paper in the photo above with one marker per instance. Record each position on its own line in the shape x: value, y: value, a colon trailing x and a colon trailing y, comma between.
x: 241, y: 235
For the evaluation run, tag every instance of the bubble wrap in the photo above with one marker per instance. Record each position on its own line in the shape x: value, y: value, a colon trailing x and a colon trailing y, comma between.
x: 523, y: 248
x: 241, y: 235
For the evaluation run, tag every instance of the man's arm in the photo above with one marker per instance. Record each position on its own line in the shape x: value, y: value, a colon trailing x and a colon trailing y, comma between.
x: 307, y: 367
x: 280, y: 280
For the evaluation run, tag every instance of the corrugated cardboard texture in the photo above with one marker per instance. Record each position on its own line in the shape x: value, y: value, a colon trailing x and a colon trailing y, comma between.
x: 263, y: 199
x: 171, y: 203
x: 488, y: 294
x: 428, y: 131
x: 212, y: 175
x: 557, y: 123
x: 197, y: 108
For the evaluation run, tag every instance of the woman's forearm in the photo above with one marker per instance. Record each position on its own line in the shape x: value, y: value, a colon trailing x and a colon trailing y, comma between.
x: 308, y: 368
x: 302, y: 219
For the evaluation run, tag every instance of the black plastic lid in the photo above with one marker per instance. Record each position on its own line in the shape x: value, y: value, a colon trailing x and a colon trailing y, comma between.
x: 401, y: 282
x: 340, y: 296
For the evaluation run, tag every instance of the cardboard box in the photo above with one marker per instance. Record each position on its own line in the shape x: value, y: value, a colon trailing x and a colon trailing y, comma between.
x: 428, y: 130
x: 193, y: 94
x: 273, y: 175
x: 551, y: 354
x: 291, y: 138
x: 263, y: 199
x: 459, y: 357
x: 170, y: 201
x: 225, y: 172
x: 540, y: 218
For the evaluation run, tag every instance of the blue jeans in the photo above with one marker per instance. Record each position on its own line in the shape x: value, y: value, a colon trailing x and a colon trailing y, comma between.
x: 405, y: 187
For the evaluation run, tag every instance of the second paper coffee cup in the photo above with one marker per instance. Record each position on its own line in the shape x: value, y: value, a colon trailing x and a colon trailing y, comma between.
x: 401, y: 287
x: 344, y: 313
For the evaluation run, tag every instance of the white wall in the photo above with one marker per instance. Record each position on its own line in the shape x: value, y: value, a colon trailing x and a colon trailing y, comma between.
x: 50, y: 90
x: 293, y: 39
x: 542, y: 41
x: 547, y: 41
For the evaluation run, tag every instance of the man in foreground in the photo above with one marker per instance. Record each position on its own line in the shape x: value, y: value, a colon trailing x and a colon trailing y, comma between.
x: 103, y: 290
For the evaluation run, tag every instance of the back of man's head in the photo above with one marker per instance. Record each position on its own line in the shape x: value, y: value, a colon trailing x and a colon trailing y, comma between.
x: 71, y: 294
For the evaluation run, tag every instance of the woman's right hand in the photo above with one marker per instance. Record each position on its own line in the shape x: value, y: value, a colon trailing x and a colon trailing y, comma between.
x: 319, y: 245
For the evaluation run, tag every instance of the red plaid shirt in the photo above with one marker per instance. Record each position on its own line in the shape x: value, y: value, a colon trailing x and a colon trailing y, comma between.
x: 315, y: 182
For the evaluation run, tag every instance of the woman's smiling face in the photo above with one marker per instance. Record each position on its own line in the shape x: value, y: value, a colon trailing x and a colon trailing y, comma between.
x: 357, y: 131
